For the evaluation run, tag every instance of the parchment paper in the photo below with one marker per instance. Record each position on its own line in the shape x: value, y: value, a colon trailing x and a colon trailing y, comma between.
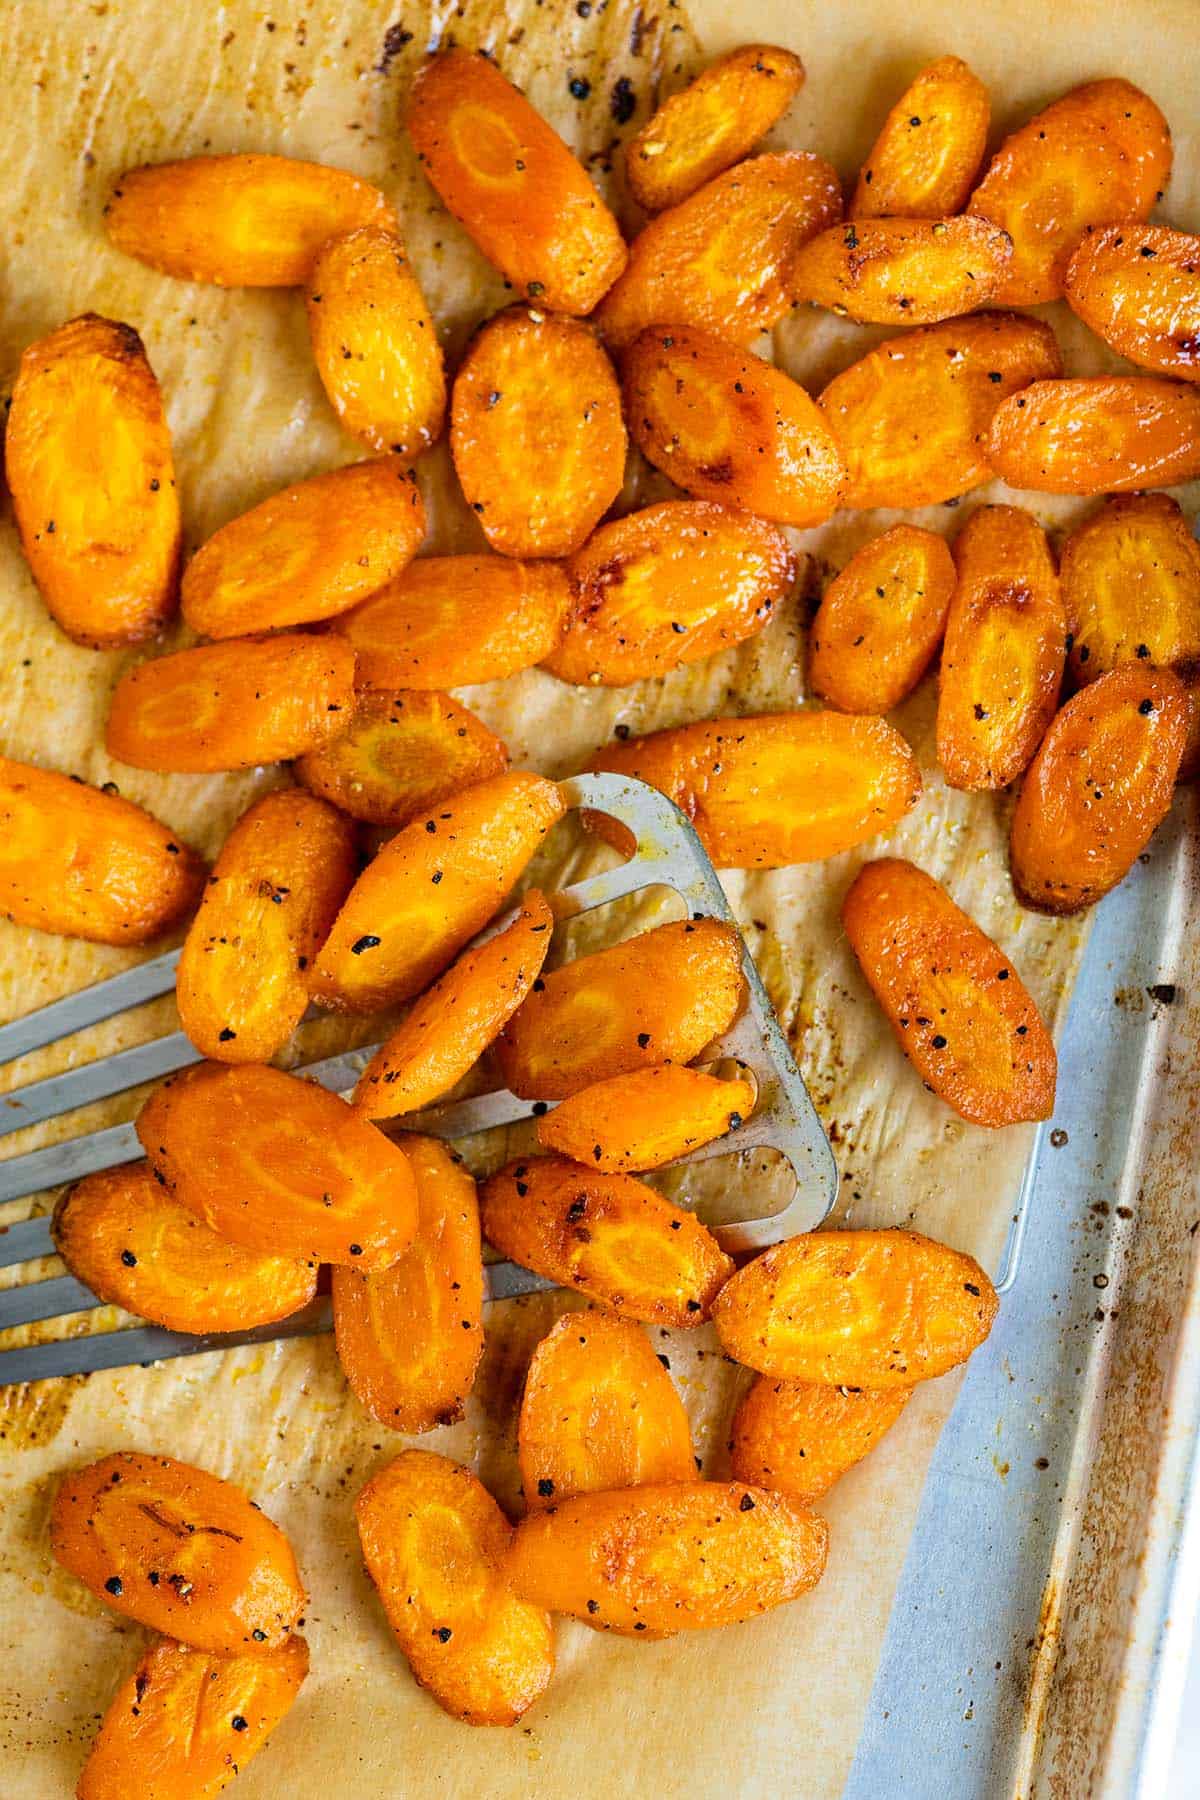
x: 770, y: 1708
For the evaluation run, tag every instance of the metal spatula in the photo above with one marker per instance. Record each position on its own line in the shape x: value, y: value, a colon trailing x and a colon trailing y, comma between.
x: 668, y: 854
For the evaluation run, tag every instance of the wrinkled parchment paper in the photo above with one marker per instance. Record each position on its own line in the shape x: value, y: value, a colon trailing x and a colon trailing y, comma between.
x: 769, y: 1708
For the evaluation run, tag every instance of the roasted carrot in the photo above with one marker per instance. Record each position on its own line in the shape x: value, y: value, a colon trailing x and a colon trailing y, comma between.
x: 1005, y: 649
x: 410, y: 1337
x: 536, y: 432
x: 799, y: 1437
x: 187, y: 1722
x: 960, y: 1012
x: 709, y: 125
x: 231, y: 705
x: 1098, y: 788
x: 280, y: 1166
x: 1138, y: 287
x: 645, y: 1118
x: 674, y: 1557
x: 307, y: 553
x: 451, y: 1026
x: 87, y: 455
x: 178, y: 1550
x: 1097, y: 434
x: 881, y: 620
x: 724, y: 425
x: 400, y: 753
x: 928, y: 153
x: 911, y: 417
x: 1101, y: 154
x: 877, y: 1309
x: 240, y: 221
x: 430, y: 889
x: 663, y: 995
x: 512, y: 183
x: 608, y: 1236
x: 722, y: 260
x: 242, y: 984
x: 374, y: 342
x: 599, y: 1411
x: 666, y: 586
x: 451, y: 621
x: 85, y: 863
x: 435, y: 1545
x: 1131, y: 590
x: 135, y: 1246
x: 785, y: 788
x: 903, y: 271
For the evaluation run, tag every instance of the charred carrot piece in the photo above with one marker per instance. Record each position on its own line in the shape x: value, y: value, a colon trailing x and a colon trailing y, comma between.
x: 1137, y: 287
x: 646, y: 1118
x: 903, y: 271
x: 178, y: 1550
x: 925, y: 159
x: 608, y: 1236
x: 400, y: 753
x: 1097, y: 434
x: 960, y: 1011
x: 799, y: 1437
x: 881, y: 620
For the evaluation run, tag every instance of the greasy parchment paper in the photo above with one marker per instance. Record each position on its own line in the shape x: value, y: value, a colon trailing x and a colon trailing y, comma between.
x: 767, y: 1708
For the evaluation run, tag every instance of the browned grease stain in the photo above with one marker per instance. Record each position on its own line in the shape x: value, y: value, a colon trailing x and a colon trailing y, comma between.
x: 35, y: 1412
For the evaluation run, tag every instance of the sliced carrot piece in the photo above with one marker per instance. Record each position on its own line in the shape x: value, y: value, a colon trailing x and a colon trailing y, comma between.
x: 1098, y: 788
x: 400, y: 753
x: 307, y: 553
x: 599, y: 1411
x: 512, y: 183
x: 1005, y: 650
x: 410, y: 1337
x: 536, y: 432
x: 709, y: 125
x: 903, y: 271
x: 724, y: 425
x: 960, y: 1012
x: 430, y: 889
x: 178, y: 1550
x: 675, y: 1557
x: 608, y: 1236
x: 646, y: 1118
x: 135, y: 1246
x: 799, y: 1437
x: 374, y: 342
x: 1097, y: 434
x: 881, y: 620
x: 1131, y: 590
x: 911, y: 417
x: 87, y: 455
x: 452, y: 1025
x: 877, y: 1309
x: 928, y: 153
x: 1101, y: 154
x: 232, y: 705
x: 452, y: 621
x: 722, y: 260
x: 1138, y: 287
x: 286, y: 867
x: 435, y: 1545
x: 667, y: 586
x: 239, y: 221
x: 785, y: 788
x: 661, y: 996
x: 88, y: 864
x: 280, y: 1166
x: 186, y: 1722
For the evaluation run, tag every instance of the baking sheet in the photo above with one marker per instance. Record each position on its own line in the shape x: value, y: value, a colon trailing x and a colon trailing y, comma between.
x: 96, y: 87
